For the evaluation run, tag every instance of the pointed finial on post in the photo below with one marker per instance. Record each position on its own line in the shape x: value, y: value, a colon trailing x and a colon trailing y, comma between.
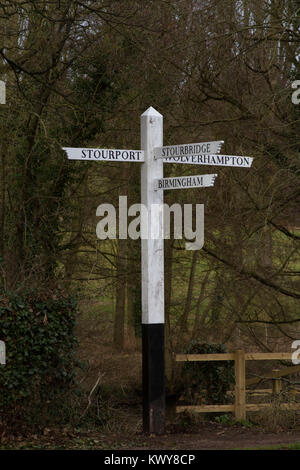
x: 151, y: 112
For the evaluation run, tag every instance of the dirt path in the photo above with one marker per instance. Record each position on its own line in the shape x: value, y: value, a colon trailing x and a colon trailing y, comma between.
x: 217, y: 438
x: 211, y: 436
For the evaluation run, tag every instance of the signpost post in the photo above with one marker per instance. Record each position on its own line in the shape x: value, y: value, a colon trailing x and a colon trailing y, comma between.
x: 152, y: 156
x: 152, y: 277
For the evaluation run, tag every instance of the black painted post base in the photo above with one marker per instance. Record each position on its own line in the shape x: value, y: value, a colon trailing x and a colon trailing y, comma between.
x: 153, y: 378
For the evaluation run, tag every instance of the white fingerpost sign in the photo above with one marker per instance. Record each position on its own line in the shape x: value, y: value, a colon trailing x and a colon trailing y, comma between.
x: 152, y: 156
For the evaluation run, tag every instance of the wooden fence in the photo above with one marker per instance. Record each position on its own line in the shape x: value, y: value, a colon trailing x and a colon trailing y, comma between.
x: 240, y: 407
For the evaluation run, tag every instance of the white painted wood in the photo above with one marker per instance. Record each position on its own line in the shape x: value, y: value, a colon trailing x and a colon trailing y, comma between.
x: 2, y: 92
x: 111, y: 155
x: 188, y: 149
x: 186, y: 182
x: 212, y: 159
x: 152, y: 246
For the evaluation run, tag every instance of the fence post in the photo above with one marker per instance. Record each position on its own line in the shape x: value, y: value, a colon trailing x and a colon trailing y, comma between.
x: 240, y: 385
x: 276, y: 384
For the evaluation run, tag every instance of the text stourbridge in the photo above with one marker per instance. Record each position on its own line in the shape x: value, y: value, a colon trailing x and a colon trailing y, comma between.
x: 209, y: 159
x: 189, y: 149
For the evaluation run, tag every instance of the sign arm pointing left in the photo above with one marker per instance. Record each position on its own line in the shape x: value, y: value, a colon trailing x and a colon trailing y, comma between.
x: 109, y: 155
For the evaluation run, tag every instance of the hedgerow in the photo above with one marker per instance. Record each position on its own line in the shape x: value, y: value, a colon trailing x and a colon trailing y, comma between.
x: 209, y: 379
x: 38, y: 331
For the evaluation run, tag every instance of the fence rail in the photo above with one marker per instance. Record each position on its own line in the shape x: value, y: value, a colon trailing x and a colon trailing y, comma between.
x: 231, y: 357
x: 240, y: 407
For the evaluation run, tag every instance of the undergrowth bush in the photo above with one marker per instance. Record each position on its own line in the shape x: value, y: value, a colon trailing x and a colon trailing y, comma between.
x: 38, y: 331
x: 207, y: 381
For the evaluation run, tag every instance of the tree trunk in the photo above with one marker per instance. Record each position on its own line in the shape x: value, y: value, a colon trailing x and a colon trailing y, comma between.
x: 119, y: 321
x: 183, y: 322
x: 196, y: 327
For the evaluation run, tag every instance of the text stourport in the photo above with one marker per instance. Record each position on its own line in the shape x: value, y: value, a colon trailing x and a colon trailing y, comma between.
x: 115, y: 155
